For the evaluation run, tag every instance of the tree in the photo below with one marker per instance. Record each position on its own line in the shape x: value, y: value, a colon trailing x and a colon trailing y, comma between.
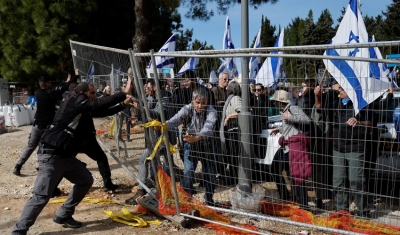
x: 391, y: 25
x: 198, y: 10
x: 34, y: 39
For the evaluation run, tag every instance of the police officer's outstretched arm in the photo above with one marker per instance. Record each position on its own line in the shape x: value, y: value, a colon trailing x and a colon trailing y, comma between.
x: 57, y: 91
x: 106, y: 106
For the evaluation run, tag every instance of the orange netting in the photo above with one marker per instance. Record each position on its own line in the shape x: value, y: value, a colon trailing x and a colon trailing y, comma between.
x: 339, y: 220
x: 187, y: 203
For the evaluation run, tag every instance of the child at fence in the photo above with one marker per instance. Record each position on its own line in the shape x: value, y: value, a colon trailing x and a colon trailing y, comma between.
x: 199, y: 119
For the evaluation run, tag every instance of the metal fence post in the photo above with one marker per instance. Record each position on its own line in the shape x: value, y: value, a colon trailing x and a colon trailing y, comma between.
x: 245, y: 162
x: 170, y: 162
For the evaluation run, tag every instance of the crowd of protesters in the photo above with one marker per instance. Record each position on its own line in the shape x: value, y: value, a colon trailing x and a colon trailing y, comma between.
x: 323, y: 141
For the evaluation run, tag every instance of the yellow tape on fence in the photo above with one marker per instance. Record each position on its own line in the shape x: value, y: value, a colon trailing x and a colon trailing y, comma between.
x: 160, y: 140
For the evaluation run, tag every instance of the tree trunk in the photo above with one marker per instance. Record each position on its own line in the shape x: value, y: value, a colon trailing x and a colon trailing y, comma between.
x: 140, y: 39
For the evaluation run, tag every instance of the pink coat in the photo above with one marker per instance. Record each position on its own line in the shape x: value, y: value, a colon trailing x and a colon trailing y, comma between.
x: 299, y: 156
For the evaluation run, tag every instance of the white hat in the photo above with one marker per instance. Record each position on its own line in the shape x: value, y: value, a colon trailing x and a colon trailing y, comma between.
x: 281, y: 96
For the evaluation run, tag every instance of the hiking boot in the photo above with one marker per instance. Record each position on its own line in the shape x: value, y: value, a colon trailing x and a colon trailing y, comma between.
x: 132, y: 201
x: 17, y: 169
x: 67, y: 222
x: 109, y: 186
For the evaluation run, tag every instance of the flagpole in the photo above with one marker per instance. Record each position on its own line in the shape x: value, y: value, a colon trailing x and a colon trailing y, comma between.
x: 322, y: 78
x: 245, y: 162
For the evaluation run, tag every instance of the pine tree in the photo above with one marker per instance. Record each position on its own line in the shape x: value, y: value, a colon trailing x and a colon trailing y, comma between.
x: 391, y: 25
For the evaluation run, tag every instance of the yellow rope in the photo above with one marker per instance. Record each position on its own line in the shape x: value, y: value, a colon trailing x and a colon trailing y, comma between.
x: 160, y: 140
x: 124, y: 217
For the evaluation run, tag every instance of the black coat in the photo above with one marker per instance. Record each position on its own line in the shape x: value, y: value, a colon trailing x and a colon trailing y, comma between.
x: 59, y: 137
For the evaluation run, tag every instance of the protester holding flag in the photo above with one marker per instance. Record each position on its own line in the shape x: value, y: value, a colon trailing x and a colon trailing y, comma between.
x: 350, y: 132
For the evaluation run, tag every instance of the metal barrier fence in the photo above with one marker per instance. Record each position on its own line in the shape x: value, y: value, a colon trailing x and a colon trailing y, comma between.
x: 335, y: 166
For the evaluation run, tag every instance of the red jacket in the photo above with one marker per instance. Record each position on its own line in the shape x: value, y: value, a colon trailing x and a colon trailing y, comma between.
x: 299, y: 156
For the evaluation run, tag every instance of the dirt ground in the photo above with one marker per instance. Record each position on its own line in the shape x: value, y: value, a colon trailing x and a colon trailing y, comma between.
x: 15, y: 191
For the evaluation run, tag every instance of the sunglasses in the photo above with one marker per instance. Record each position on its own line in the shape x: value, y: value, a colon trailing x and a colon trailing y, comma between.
x: 258, y: 90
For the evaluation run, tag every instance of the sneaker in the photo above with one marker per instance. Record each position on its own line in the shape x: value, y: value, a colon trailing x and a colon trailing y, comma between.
x: 17, y: 169
x: 67, y: 222
x: 132, y: 201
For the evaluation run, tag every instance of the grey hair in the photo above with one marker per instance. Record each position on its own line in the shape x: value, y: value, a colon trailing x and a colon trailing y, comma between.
x: 225, y: 72
x: 234, y: 88
x: 200, y: 93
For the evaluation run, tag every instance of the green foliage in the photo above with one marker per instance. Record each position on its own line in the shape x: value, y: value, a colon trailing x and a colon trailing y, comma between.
x: 35, y: 38
x: 391, y: 25
x: 199, y: 10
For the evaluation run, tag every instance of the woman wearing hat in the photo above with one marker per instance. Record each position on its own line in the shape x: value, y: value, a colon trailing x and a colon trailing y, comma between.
x: 295, y: 143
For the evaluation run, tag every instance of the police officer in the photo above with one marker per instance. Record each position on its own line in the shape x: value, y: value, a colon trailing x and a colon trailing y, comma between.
x: 57, y: 152
x: 46, y: 109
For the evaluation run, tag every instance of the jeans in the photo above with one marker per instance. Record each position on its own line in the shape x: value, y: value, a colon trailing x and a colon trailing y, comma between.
x: 208, y: 170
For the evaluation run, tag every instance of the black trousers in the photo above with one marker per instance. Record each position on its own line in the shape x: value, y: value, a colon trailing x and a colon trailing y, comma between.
x: 93, y: 150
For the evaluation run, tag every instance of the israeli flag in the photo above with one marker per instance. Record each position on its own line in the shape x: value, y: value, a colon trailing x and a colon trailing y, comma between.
x: 271, y: 69
x: 90, y: 73
x: 255, y: 62
x: 165, y: 61
x: 190, y: 65
x: 225, y: 68
x: 227, y: 43
x: 378, y: 69
x: 355, y: 76
x: 213, y: 77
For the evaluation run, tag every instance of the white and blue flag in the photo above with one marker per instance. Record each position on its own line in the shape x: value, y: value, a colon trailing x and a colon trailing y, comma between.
x: 271, y: 69
x: 355, y: 76
x: 90, y: 73
x: 190, y: 65
x: 255, y: 62
x: 227, y: 43
x: 165, y: 61
x: 213, y: 77
x: 379, y: 70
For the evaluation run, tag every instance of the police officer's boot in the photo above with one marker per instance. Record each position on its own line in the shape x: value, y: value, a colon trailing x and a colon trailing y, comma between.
x: 17, y: 169
x: 108, y: 185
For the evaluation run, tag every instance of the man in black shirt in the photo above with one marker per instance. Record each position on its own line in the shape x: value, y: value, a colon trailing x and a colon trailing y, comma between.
x: 71, y: 128
x: 46, y: 109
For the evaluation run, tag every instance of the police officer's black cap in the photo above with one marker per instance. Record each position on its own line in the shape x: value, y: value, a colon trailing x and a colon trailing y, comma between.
x: 44, y: 79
